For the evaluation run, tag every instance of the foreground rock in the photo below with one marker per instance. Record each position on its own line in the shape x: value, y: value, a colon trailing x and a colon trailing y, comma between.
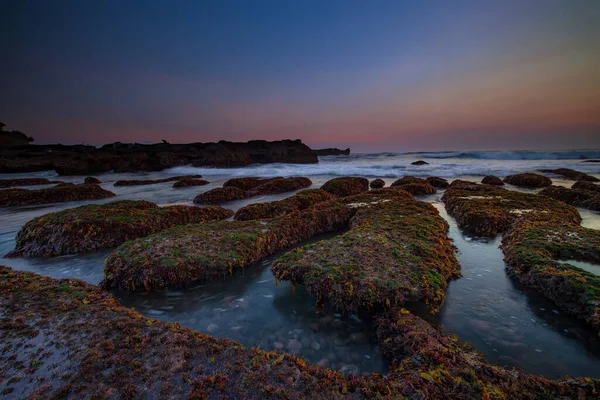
x: 346, y: 186
x: 586, y: 186
x: 395, y: 251
x: 6, y: 183
x: 129, y: 157
x: 100, y: 226
x: 189, y: 182
x: 528, y: 180
x: 332, y: 152
x: 57, y: 194
x: 576, y: 197
x: 298, y: 202
x: 532, y: 250
x: 572, y: 174
x: 196, y: 252
x: 415, y: 186
x: 94, y: 347
x: 377, y: 183
x: 256, y: 187
x: 141, y: 182
x: 486, y: 210
x: 492, y: 180
x: 436, y: 182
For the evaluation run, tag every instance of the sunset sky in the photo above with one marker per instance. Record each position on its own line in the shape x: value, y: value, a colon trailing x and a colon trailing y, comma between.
x: 370, y: 75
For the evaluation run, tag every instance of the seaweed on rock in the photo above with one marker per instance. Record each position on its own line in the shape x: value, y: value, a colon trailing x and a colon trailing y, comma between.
x: 233, y: 189
x: 576, y: 197
x: 377, y: 183
x: 416, y: 186
x: 528, y: 180
x: 298, y: 202
x: 100, y: 226
x: 346, y: 186
x: 437, y: 182
x: 572, y: 174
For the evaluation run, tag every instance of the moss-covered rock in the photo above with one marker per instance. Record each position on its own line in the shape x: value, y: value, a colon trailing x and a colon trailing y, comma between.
x: 190, y: 182
x: 487, y: 210
x: 220, y: 195
x: 377, y: 183
x: 575, y: 197
x: 528, y: 180
x: 282, y: 185
x: 586, y: 186
x: 248, y: 183
x: 100, y: 226
x: 196, y: 252
x: 346, y: 186
x: 492, y: 180
x: 396, y: 250
x: 298, y: 202
x: 437, y: 182
x: 572, y: 174
x: 6, y: 183
x: 96, y: 348
x: 140, y: 182
x: 532, y: 250
x: 415, y: 186
x: 90, y: 180
x: 57, y: 194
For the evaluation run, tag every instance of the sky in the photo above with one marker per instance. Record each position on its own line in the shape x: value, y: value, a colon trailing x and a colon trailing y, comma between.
x: 370, y: 75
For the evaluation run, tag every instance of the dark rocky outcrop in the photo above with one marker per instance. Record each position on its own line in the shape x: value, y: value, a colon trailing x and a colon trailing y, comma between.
x: 127, y: 157
x: 298, y: 202
x: 258, y: 187
x: 415, y: 186
x: 576, y: 197
x: 13, y: 139
x: 346, y: 186
x: 586, y: 186
x: 90, y: 180
x: 377, y: 183
x: 419, y: 162
x: 592, y: 161
x: 492, y: 180
x: 188, y: 182
x: 59, y: 193
x: 436, y: 182
x: 141, y: 182
x: 571, y: 174
x: 332, y: 152
x: 100, y: 226
x: 528, y: 180
x: 6, y: 183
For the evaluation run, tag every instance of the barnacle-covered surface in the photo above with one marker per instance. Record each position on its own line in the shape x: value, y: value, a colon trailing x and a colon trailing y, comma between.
x: 99, y: 226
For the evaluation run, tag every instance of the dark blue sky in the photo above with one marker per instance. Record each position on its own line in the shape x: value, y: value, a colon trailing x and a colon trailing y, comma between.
x: 375, y: 75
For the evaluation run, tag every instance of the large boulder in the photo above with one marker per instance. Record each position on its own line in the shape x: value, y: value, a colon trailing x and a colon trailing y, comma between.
x: 99, y: 226
x: 437, y: 182
x: 346, y: 186
x: 377, y: 183
x: 415, y: 186
x: 528, y: 180
x: 59, y: 193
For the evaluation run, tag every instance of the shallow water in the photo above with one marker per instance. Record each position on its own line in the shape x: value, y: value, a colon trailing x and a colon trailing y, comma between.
x: 511, y: 325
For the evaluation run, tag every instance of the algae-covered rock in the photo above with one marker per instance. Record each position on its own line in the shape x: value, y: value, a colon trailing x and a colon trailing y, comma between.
x: 6, y: 183
x: 220, y: 195
x: 96, y: 348
x: 586, y: 186
x: 532, y: 252
x: 492, y: 180
x: 275, y: 186
x: 195, y: 252
x: 377, y: 183
x: 100, y: 226
x: 396, y: 250
x: 487, y: 210
x: 190, y: 182
x: 297, y: 202
x: 575, y: 197
x: 415, y: 186
x: 60, y: 193
x: 140, y: 182
x: 437, y: 182
x: 572, y: 174
x: 528, y: 180
x: 90, y: 180
x: 346, y: 186
x: 248, y: 183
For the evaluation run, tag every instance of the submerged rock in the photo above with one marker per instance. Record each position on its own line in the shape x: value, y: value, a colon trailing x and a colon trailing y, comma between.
x: 572, y: 174
x: 415, y: 186
x: 6, y: 183
x: 419, y: 162
x: 190, y: 182
x: 298, y: 202
x: 90, y: 180
x: 396, y: 250
x: 576, y: 197
x: 377, y: 183
x: 346, y: 186
x: 101, y: 349
x: 194, y: 252
x: 439, y: 183
x: 100, y: 226
x: 528, y: 180
x: 57, y: 194
x: 492, y: 180
x: 140, y: 182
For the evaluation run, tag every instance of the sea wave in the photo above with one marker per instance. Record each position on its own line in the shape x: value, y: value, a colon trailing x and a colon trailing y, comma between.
x: 512, y: 155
